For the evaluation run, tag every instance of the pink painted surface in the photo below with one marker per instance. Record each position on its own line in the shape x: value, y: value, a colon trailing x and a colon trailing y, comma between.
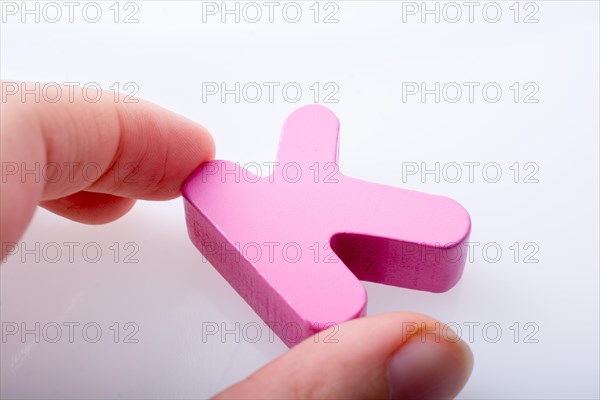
x: 295, y: 244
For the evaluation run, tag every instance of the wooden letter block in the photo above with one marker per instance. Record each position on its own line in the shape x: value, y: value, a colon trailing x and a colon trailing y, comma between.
x: 296, y: 243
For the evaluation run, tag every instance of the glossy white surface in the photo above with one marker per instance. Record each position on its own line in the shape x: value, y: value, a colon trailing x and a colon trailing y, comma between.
x: 170, y: 295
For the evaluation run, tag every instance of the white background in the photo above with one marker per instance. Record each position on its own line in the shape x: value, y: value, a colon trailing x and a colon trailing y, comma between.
x: 170, y: 294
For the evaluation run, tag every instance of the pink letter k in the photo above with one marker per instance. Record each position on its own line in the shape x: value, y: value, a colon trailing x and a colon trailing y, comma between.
x: 295, y: 244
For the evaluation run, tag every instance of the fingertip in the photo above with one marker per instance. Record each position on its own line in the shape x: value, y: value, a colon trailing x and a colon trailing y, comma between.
x: 429, y: 366
x: 396, y: 355
x: 158, y: 150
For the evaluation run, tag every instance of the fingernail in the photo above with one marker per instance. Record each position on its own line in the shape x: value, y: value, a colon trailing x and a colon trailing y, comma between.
x: 424, y: 368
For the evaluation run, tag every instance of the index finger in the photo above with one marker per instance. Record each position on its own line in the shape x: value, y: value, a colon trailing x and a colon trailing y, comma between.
x: 54, y: 150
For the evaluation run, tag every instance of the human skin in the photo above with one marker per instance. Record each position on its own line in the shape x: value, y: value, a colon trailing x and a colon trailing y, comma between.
x: 371, y: 357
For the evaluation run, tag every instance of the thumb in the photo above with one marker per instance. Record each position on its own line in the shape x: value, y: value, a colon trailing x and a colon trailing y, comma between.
x: 398, y: 355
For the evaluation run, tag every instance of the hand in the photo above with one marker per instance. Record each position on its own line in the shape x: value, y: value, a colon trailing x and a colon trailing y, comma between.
x: 399, y: 355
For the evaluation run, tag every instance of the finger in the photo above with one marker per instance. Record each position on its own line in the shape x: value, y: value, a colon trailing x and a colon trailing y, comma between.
x: 53, y: 150
x: 399, y: 355
x: 90, y: 208
x: 136, y: 150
